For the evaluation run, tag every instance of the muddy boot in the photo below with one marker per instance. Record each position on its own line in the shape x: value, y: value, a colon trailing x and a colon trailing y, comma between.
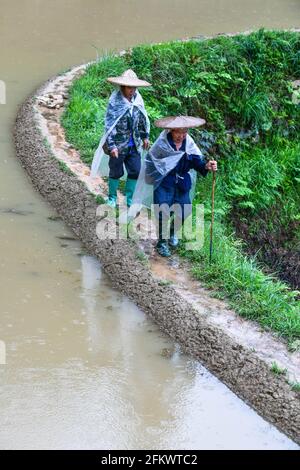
x: 173, y: 240
x: 113, y: 185
x: 129, y: 190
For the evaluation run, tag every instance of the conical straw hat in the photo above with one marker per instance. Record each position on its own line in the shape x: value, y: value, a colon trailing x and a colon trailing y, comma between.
x: 128, y: 78
x: 179, y: 122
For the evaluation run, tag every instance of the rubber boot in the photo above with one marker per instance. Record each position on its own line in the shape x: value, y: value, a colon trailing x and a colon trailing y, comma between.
x: 113, y: 185
x: 173, y: 240
x: 129, y: 190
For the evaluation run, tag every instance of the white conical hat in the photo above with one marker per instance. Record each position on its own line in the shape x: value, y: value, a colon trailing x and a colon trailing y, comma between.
x: 128, y: 78
x: 179, y: 122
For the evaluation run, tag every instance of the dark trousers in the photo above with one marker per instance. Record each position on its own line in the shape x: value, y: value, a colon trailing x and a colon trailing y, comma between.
x: 132, y: 161
x: 183, y: 208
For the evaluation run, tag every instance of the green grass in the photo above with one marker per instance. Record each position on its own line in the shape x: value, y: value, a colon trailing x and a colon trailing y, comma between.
x: 295, y: 386
x: 242, y: 87
x: 278, y: 370
x: 239, y: 279
x: 99, y: 199
x: 165, y: 282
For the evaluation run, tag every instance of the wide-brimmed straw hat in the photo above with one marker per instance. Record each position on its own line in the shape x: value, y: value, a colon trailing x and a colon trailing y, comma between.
x: 128, y: 78
x: 179, y: 122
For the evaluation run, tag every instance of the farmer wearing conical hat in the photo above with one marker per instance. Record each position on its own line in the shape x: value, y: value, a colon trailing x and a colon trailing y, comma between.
x: 170, y: 168
x: 127, y: 131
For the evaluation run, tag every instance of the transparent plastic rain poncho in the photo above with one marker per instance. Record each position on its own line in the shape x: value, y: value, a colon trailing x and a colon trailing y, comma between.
x: 159, y: 161
x: 118, y: 105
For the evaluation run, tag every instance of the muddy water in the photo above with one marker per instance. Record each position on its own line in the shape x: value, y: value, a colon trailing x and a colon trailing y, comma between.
x: 84, y: 367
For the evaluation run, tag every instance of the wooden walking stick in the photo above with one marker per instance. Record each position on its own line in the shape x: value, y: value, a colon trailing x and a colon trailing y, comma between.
x: 212, y: 215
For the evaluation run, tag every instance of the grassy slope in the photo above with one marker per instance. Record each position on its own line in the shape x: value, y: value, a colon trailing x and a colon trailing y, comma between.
x: 242, y: 87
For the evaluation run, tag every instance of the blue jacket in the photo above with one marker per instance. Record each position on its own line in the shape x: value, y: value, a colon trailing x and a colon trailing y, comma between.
x: 179, y: 176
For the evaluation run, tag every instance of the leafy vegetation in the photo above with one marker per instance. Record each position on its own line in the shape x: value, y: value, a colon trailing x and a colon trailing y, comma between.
x: 295, y: 386
x: 242, y: 86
